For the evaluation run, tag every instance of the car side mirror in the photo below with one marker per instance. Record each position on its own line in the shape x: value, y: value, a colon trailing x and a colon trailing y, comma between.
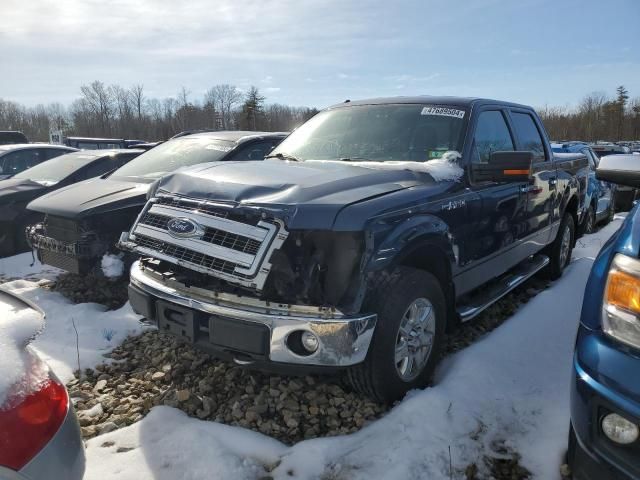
x: 507, y: 166
x: 620, y: 169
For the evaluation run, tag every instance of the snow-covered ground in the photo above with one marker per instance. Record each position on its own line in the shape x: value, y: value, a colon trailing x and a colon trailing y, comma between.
x: 511, y: 388
x: 98, y: 330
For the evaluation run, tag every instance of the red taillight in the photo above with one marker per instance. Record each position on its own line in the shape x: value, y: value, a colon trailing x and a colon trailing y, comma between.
x: 27, y: 426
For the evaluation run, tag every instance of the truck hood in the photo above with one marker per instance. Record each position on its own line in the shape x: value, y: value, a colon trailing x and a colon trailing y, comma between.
x: 309, y: 194
x: 18, y: 190
x: 94, y: 196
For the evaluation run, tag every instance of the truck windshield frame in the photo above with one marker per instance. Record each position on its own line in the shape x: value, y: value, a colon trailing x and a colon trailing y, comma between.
x: 379, y: 133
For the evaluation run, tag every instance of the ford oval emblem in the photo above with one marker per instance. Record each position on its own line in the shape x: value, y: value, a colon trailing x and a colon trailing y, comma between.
x: 182, y: 227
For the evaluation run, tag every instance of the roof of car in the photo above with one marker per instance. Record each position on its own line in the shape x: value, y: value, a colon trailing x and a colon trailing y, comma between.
x: 19, y: 146
x: 108, y: 152
x: 238, y: 136
x: 429, y: 99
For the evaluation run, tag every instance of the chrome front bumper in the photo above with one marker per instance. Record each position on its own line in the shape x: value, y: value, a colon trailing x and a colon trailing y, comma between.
x: 343, y: 340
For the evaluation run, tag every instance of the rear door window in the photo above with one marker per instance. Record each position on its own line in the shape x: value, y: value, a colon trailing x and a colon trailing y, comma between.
x: 528, y: 135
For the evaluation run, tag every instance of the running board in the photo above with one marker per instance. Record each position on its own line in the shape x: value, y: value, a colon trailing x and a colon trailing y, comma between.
x: 478, y: 302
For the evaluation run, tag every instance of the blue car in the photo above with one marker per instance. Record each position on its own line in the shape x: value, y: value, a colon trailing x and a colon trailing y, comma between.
x: 600, y: 195
x: 604, y: 441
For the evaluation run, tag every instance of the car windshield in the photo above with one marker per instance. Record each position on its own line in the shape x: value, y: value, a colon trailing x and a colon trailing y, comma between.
x: 56, y: 169
x: 396, y: 132
x: 171, y: 155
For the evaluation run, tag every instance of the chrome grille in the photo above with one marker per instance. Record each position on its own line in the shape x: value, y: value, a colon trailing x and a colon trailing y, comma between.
x: 224, y: 243
x: 186, y: 255
x: 211, y: 235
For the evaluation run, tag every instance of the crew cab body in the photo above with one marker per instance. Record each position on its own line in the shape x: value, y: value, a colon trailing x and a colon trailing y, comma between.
x: 371, y: 229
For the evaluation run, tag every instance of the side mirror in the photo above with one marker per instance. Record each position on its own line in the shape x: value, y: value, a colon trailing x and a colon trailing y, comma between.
x: 620, y: 169
x: 508, y: 166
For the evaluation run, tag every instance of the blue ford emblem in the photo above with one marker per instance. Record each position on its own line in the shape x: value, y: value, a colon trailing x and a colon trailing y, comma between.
x: 182, y: 227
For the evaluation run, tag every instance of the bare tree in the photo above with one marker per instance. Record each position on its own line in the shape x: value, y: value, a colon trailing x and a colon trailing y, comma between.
x: 224, y: 99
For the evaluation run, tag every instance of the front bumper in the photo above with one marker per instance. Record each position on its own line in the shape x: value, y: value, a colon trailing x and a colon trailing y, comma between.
x: 248, y: 330
x: 604, y: 381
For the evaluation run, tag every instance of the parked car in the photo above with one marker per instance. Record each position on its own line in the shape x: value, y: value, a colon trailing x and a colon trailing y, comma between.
x: 625, y: 195
x: 88, y: 143
x: 17, y: 158
x: 39, y: 433
x: 600, y: 195
x: 84, y: 221
x: 10, y: 137
x: 604, y: 439
x: 368, y: 232
x: 18, y: 191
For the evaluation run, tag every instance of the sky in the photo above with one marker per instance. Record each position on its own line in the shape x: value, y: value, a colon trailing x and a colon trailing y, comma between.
x: 320, y: 52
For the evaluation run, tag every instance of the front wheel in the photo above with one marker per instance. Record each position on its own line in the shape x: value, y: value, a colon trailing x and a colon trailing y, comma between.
x: 560, y: 250
x: 408, y: 338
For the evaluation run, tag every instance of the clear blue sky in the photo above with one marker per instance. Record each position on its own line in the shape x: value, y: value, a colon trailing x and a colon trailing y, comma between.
x: 316, y: 53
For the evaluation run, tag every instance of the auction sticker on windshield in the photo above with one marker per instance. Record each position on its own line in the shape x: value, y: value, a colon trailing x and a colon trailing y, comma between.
x: 443, y: 112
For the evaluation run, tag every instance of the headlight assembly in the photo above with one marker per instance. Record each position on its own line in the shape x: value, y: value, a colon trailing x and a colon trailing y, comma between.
x: 621, y: 307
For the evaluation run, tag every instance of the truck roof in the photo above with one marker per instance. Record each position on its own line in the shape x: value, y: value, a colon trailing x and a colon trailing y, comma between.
x: 438, y: 100
x: 237, y: 136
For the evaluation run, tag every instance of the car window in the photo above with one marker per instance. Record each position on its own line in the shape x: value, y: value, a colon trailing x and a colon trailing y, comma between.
x: 96, y: 168
x: 20, y: 160
x: 254, y: 151
x: 492, y: 135
x: 54, y: 152
x: 528, y: 134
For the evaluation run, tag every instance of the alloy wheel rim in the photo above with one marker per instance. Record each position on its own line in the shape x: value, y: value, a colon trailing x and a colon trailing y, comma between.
x: 414, y: 341
x: 589, y: 226
x: 565, y: 246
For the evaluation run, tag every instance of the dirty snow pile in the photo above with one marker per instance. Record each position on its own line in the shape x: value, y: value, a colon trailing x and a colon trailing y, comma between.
x: 18, y: 325
x: 112, y: 265
x: 510, y: 389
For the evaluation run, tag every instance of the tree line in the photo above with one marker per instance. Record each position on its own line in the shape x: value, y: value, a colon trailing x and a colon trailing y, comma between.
x: 116, y: 112
x: 113, y: 111
x: 597, y: 117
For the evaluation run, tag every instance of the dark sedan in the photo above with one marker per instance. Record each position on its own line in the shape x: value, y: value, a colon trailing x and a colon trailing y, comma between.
x: 19, y: 157
x: 85, y: 221
x: 18, y: 191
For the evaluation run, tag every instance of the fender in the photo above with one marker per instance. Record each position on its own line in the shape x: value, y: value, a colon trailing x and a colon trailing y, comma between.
x: 405, y: 237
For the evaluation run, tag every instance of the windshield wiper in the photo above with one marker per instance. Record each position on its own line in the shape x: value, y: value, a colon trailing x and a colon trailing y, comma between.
x: 284, y: 156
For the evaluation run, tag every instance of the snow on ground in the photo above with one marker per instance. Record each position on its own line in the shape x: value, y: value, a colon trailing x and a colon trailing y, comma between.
x: 510, y: 388
x: 20, y: 266
x: 112, y: 265
x: 99, y: 331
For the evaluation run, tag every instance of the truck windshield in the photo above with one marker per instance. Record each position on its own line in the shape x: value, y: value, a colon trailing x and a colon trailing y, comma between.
x: 395, y: 132
x: 171, y: 155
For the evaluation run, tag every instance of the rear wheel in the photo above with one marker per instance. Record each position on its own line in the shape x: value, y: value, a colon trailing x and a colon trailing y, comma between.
x: 408, y: 338
x: 589, y: 221
x: 560, y: 250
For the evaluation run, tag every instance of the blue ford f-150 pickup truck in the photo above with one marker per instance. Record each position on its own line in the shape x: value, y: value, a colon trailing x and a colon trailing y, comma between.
x: 368, y: 232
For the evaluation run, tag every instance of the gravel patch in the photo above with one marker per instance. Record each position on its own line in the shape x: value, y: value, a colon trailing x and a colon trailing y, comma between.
x: 157, y: 369
x: 91, y: 288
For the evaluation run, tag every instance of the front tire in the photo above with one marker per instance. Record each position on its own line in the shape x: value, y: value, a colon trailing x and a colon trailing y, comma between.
x: 408, y: 338
x: 560, y: 250
x: 589, y: 222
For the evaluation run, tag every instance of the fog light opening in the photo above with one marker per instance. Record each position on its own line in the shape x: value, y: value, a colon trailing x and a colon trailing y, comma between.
x: 303, y: 342
x: 619, y: 430
x: 309, y: 341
